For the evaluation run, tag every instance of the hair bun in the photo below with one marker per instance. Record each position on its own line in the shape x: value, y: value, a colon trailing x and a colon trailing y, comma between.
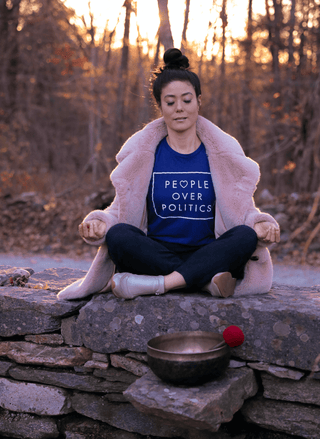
x: 174, y: 59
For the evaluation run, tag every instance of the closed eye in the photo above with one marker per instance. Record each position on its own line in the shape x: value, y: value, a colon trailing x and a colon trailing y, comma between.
x: 172, y: 103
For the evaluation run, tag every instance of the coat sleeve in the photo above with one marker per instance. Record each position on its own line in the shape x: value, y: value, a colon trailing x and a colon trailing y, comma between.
x: 109, y: 216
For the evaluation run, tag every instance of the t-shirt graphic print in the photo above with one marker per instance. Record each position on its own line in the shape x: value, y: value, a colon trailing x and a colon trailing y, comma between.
x: 181, y: 197
x: 185, y: 195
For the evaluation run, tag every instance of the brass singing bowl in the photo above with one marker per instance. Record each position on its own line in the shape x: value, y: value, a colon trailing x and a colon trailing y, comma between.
x: 188, y: 357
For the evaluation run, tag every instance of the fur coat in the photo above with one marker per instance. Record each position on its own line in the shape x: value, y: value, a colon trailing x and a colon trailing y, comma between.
x: 234, y: 176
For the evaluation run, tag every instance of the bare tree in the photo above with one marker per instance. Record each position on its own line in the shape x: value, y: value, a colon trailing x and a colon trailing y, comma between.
x: 185, y: 26
x: 156, y: 56
x: 291, y: 29
x: 9, y: 53
x: 118, y: 134
x: 290, y: 67
x: 203, y: 51
x: 308, y: 163
x: 165, y: 34
x: 274, y: 26
x: 246, y: 108
x: 317, y: 32
x: 224, y: 23
x: 94, y: 97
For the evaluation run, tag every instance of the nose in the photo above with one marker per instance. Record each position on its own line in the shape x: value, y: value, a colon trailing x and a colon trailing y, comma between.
x: 179, y: 105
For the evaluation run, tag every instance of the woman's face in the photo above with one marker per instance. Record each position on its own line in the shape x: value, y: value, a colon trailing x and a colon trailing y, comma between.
x: 179, y: 105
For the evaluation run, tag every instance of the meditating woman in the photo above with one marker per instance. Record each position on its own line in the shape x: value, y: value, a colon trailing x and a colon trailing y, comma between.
x: 183, y: 215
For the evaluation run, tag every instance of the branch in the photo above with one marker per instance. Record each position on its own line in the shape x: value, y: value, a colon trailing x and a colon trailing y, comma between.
x: 309, y: 240
x: 307, y: 222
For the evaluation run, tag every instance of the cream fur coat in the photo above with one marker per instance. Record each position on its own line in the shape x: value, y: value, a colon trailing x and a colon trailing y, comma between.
x: 234, y: 177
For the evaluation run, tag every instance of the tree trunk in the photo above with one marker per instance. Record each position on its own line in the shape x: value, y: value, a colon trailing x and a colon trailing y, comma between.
x: 308, y: 162
x: 275, y: 48
x: 140, y: 90
x: 185, y: 26
x: 274, y: 42
x: 291, y: 29
x: 318, y: 38
x: 302, y: 56
x: 274, y: 27
x: 224, y: 19
x: 156, y: 56
x: 290, y: 68
x: 109, y: 50
x: 246, y: 108
x: 92, y: 106
x: 118, y: 136
x: 202, y: 53
x: 277, y: 96
x: 165, y: 29
x: 9, y: 54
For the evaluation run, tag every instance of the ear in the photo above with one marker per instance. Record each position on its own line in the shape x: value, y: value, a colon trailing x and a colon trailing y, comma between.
x: 199, y: 101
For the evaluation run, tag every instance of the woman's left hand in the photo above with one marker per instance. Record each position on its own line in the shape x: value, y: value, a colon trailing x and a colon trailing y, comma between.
x: 267, y: 232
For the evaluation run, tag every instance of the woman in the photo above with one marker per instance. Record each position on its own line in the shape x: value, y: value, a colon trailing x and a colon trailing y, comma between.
x: 183, y: 215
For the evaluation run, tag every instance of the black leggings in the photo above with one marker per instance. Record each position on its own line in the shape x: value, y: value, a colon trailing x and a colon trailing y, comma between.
x: 134, y: 252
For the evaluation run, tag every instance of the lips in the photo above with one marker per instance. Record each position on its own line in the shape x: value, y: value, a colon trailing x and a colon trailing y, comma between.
x: 180, y: 118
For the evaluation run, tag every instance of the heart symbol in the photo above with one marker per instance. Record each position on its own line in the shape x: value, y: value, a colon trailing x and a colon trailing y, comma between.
x: 183, y: 184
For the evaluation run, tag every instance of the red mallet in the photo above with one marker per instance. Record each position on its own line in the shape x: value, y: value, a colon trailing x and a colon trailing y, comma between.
x: 233, y: 336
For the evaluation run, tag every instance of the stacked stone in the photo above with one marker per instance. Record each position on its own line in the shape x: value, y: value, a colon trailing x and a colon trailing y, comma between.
x: 290, y: 401
x: 47, y: 377
x: 78, y: 369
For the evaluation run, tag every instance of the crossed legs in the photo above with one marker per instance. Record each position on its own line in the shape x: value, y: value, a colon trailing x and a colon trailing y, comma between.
x: 179, y: 266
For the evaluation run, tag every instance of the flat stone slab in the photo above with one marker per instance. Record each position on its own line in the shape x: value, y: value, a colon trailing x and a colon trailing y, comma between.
x: 129, y: 364
x: 123, y: 416
x: 30, y: 353
x: 33, y: 398
x: 281, y: 327
x: 68, y: 380
x: 77, y: 427
x: 277, y: 371
x: 306, y: 391
x: 57, y: 278
x: 4, y: 367
x: 35, y: 311
x: 117, y: 375
x: 295, y: 419
x: 23, y: 425
x: 204, y: 407
x: 46, y: 339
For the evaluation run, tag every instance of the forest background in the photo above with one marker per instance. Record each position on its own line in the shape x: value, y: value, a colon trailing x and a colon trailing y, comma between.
x: 70, y: 95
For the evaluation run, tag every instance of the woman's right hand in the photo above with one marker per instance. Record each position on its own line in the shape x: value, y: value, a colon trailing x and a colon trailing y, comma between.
x: 92, y: 230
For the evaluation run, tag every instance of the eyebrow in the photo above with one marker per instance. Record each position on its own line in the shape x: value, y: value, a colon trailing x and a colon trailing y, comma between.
x: 173, y: 96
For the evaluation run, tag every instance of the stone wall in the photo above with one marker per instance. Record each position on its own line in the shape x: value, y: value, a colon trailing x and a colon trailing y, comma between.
x: 78, y: 369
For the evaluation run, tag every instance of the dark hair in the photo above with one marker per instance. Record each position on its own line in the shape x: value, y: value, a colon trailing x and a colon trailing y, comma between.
x: 175, y: 69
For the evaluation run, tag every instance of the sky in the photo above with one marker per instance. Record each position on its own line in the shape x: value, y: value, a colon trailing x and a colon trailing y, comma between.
x: 201, y: 11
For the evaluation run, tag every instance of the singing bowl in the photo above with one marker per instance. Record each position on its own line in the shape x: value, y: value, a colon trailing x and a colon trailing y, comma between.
x: 188, y: 357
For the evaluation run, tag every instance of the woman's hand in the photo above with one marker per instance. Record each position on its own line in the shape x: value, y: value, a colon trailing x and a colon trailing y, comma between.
x: 92, y: 230
x: 267, y: 232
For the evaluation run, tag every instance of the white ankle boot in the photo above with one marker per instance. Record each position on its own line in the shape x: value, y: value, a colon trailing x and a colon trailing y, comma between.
x: 129, y: 286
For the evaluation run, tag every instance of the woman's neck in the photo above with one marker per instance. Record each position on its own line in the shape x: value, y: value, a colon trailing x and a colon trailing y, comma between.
x: 184, y: 143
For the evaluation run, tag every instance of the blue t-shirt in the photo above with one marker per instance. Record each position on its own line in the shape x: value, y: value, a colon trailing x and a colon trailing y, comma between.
x: 181, y: 197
